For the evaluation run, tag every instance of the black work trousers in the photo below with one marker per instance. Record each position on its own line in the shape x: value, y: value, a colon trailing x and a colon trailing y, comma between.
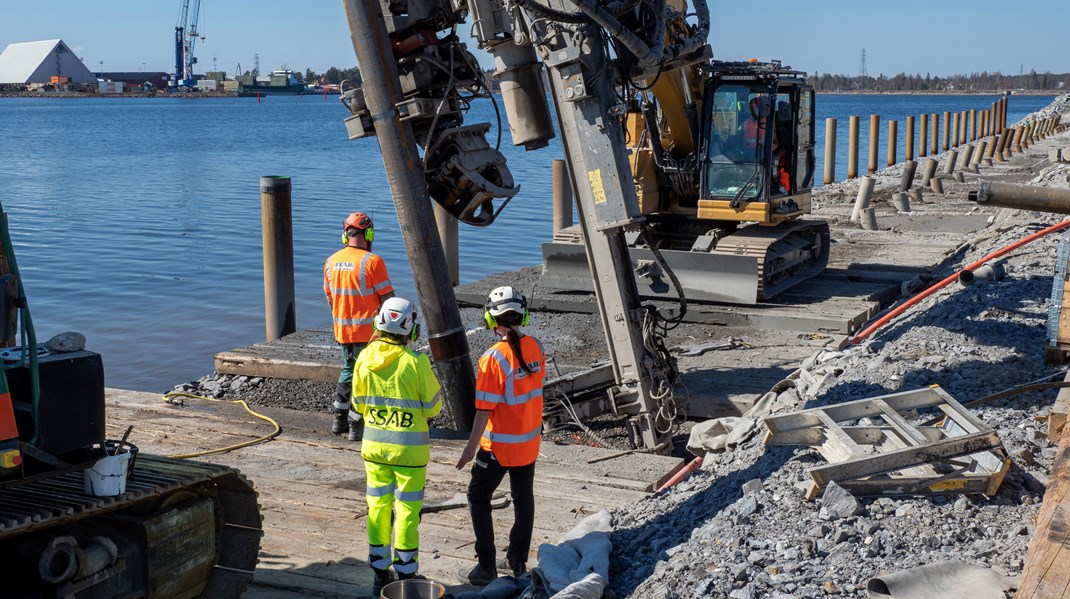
x: 487, y: 474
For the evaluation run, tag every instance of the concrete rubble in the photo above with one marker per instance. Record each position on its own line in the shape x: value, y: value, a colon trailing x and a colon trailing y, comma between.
x: 741, y: 528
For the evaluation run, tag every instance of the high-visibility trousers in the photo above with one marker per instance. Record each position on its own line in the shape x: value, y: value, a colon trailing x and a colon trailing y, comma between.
x: 395, y: 491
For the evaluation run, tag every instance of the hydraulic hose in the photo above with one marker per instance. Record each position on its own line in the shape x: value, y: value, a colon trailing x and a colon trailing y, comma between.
x: 951, y: 279
x: 275, y: 433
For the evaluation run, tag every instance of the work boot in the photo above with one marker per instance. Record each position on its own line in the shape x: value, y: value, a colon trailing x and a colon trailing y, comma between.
x: 341, y: 423
x: 356, y: 430
x: 478, y: 576
x: 382, y: 578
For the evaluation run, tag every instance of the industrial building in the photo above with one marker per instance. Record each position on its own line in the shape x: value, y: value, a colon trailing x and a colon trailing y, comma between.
x: 40, y: 62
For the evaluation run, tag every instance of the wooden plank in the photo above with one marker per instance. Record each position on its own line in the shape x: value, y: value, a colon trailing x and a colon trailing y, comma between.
x: 838, y: 446
x: 909, y: 434
x: 1047, y: 565
x: 896, y: 460
x: 1059, y: 411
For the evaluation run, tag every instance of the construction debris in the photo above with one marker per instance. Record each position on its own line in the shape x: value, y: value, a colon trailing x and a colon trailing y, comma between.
x: 885, y: 454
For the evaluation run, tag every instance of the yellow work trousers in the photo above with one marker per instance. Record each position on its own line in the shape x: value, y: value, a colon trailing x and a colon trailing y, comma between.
x: 394, y: 493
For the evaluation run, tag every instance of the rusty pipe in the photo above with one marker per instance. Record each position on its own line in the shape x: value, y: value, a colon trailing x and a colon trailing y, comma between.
x: 1022, y: 197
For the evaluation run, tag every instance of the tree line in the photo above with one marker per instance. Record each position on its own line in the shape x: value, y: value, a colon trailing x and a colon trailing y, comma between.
x: 974, y: 82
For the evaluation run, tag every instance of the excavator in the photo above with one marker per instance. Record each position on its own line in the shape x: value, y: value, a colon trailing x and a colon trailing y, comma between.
x: 179, y: 529
x: 692, y: 176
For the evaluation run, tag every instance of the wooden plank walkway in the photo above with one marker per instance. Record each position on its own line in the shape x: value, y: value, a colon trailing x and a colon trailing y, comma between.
x: 311, y: 487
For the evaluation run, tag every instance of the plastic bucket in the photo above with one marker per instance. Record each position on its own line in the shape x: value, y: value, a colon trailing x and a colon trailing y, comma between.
x: 107, y: 477
x: 413, y: 588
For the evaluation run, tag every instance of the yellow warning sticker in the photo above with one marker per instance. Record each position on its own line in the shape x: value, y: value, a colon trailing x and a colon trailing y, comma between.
x: 595, y: 179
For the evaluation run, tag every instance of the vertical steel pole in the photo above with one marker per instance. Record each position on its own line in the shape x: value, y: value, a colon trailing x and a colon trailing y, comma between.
x: 956, y: 130
x: 947, y: 131
x: 562, y: 197
x: 449, y: 234
x: 404, y: 171
x: 923, y: 141
x: 910, y: 138
x: 276, y: 228
x: 893, y: 139
x: 934, y: 135
x: 874, y: 141
x: 973, y: 124
x: 852, y: 147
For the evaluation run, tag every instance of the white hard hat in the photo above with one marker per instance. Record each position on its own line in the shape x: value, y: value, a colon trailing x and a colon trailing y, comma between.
x: 397, y: 316
x: 506, y: 299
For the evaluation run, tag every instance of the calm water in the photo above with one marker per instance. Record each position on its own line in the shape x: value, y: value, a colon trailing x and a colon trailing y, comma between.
x: 137, y: 221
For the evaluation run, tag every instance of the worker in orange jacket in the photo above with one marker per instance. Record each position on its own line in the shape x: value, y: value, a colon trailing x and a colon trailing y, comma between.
x: 506, y: 434
x: 356, y: 283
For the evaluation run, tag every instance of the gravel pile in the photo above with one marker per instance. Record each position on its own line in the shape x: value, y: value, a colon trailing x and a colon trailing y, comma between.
x: 741, y: 528
x: 1060, y: 105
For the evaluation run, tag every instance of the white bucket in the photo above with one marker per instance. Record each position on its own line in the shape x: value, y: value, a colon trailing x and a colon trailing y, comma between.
x: 107, y: 477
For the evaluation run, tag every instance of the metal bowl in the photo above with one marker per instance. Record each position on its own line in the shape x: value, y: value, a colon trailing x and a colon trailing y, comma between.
x: 415, y: 588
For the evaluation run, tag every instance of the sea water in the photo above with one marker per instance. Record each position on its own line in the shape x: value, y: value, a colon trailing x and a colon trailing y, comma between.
x: 136, y: 221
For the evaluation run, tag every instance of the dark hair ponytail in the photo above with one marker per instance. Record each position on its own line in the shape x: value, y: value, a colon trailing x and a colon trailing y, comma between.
x: 509, y: 320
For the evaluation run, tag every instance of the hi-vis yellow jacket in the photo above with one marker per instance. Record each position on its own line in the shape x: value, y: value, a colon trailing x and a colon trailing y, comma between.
x: 395, y: 390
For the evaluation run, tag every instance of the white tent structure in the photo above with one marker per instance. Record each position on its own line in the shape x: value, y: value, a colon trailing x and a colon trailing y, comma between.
x: 38, y: 62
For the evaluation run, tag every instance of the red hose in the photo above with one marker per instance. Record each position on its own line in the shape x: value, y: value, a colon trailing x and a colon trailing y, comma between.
x: 937, y: 287
x: 691, y: 466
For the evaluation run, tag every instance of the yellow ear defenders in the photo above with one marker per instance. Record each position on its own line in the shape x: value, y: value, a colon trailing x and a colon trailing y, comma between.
x: 369, y: 236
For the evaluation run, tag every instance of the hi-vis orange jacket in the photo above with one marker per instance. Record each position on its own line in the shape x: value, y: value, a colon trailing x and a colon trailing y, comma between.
x: 514, y: 399
x: 353, y: 280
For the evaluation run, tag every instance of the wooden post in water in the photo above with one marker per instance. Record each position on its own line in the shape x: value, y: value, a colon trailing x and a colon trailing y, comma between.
x: 830, y: 150
x: 852, y: 147
x: 910, y: 138
x: 923, y: 138
x: 893, y: 139
x: 947, y: 131
x: 562, y: 197
x: 934, y: 135
x: 276, y: 230
x: 874, y: 141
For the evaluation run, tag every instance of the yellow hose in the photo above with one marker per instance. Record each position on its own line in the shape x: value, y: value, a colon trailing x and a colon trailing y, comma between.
x: 264, y: 439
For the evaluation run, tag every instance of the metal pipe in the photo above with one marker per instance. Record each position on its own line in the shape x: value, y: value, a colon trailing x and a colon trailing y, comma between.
x: 973, y: 124
x: 1001, y: 144
x: 934, y: 135
x: 929, y: 172
x: 993, y: 271
x: 448, y: 234
x: 1022, y: 197
x: 956, y: 131
x: 830, y: 150
x: 1016, y: 142
x: 893, y: 138
x: 869, y: 219
x: 852, y: 147
x: 865, y: 191
x: 874, y: 141
x: 910, y: 138
x: 949, y: 162
x: 382, y: 91
x: 947, y: 130
x: 964, y: 133
x: 276, y: 230
x: 937, y: 185
x: 906, y: 181
x: 901, y: 201
x: 983, y: 116
x: 923, y: 140
x: 966, y: 155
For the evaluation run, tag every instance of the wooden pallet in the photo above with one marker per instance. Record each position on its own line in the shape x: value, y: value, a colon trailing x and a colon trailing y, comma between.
x: 959, y: 454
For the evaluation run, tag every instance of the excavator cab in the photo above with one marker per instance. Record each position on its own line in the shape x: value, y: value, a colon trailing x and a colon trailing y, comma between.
x: 758, y: 144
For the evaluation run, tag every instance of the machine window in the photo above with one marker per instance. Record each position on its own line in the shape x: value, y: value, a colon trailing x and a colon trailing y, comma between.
x: 738, y: 130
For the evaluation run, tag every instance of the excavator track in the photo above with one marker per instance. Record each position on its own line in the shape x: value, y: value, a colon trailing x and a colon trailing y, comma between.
x: 786, y: 254
x: 751, y: 265
x: 201, y: 524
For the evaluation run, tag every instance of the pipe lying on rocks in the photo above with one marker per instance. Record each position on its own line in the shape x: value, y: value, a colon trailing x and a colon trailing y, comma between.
x: 983, y: 274
x: 1022, y: 197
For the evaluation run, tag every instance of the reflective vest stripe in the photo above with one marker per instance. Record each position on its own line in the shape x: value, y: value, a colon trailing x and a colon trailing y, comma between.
x: 378, y: 435
x: 381, y: 491
x: 354, y: 321
x: 382, y: 286
x: 409, y: 495
x: 392, y: 402
x: 507, y: 368
x: 505, y: 438
x: 348, y: 291
x: 489, y: 397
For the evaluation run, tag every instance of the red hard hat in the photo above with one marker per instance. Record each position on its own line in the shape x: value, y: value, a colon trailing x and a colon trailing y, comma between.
x: 357, y: 220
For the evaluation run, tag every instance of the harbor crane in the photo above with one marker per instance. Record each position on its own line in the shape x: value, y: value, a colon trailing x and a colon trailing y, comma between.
x: 185, y: 41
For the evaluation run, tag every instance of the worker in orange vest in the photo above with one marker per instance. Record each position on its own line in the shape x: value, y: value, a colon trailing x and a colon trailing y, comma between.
x: 505, y: 434
x: 356, y: 283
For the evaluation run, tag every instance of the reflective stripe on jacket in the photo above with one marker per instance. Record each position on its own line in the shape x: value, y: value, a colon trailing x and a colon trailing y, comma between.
x: 353, y: 280
x: 395, y: 390
x: 514, y: 399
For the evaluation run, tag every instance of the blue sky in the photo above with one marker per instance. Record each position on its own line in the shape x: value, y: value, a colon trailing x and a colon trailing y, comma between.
x: 941, y: 37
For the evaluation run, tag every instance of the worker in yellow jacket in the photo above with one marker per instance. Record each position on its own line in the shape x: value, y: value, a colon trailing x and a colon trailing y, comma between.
x: 395, y: 392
